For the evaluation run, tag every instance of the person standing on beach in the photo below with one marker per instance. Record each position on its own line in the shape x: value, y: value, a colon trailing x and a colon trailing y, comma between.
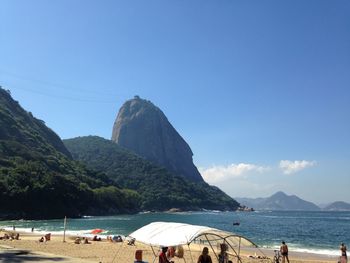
x: 284, y: 252
x: 223, y: 256
x: 162, y: 256
x: 204, y: 257
x: 344, y: 256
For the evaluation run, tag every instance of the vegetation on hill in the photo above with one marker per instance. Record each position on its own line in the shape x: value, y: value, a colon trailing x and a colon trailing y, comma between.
x: 158, y: 189
x: 38, y: 178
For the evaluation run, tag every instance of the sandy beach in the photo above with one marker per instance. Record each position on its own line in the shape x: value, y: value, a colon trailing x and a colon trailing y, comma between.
x: 105, y: 251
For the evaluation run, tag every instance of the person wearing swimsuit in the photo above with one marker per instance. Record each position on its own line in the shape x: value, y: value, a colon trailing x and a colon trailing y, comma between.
x: 344, y: 256
x: 223, y: 256
x: 162, y: 256
x: 284, y: 252
x: 204, y: 257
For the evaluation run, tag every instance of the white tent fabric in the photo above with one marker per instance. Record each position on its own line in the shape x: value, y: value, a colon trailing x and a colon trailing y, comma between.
x: 173, y: 234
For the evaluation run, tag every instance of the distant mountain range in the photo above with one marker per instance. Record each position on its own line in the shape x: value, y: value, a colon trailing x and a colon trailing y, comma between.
x: 337, y: 206
x: 281, y: 201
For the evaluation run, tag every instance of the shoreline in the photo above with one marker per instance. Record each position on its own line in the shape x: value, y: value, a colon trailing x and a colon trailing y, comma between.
x: 105, y: 251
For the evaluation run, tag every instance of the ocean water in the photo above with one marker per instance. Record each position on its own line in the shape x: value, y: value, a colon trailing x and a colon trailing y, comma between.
x: 314, y: 232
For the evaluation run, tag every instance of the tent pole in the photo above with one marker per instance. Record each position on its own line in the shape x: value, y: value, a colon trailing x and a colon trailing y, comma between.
x: 115, y: 255
x: 190, y: 252
x: 239, y: 259
x: 239, y: 248
x: 154, y: 254
x: 211, y: 247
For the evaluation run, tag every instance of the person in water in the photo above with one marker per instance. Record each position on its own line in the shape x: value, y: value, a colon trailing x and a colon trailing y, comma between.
x: 284, y: 252
x: 204, y: 257
x: 344, y: 256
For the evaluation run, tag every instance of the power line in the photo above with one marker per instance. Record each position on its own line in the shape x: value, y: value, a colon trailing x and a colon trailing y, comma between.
x: 48, y: 83
x: 50, y: 94
x: 55, y: 96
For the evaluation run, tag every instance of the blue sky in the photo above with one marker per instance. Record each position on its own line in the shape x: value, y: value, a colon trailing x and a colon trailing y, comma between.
x: 260, y: 90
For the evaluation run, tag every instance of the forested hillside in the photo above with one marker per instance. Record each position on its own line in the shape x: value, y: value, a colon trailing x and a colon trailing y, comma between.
x: 159, y: 189
x: 38, y: 178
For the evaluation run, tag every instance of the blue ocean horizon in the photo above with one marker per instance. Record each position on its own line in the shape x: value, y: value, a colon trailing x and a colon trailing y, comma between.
x: 303, y: 231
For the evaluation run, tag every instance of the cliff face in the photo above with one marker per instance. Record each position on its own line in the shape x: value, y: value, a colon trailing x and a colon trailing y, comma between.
x: 144, y: 129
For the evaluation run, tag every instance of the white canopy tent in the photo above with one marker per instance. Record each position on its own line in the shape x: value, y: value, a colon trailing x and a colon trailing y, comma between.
x: 175, y: 234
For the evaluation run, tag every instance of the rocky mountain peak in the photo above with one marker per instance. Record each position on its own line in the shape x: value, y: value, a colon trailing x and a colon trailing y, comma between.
x: 143, y: 128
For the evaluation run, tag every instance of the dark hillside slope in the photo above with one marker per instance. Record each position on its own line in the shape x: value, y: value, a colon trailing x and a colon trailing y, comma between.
x: 159, y: 189
x: 18, y: 125
x: 38, y: 178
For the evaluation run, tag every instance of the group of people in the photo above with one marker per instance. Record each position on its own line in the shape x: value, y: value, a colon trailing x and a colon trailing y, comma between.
x: 223, y: 255
x: 203, y: 258
x: 11, y: 236
x: 84, y: 240
x: 115, y: 238
x: 47, y: 237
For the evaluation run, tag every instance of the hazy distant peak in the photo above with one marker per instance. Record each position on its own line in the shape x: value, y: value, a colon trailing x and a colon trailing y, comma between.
x: 278, y: 201
x: 279, y: 194
x: 338, y: 206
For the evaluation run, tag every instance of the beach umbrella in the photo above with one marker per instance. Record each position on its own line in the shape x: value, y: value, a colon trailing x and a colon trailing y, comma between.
x: 96, y: 231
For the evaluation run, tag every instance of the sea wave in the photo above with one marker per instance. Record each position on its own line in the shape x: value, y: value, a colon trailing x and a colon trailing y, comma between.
x: 40, y: 231
x: 318, y: 251
x: 328, y: 252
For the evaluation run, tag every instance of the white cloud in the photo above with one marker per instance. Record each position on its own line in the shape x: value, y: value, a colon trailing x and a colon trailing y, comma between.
x: 221, y: 173
x: 290, y: 167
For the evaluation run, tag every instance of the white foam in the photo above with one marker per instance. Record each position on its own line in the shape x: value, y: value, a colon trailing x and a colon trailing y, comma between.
x: 328, y: 252
x: 82, y: 233
x: 318, y: 251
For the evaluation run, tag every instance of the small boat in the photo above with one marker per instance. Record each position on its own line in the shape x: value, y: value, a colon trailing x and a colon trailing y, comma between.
x: 236, y: 223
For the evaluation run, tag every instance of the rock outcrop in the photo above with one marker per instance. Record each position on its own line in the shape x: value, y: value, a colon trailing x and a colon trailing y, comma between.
x: 144, y: 129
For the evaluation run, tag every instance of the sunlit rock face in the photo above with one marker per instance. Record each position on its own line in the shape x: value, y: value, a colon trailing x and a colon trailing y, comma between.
x: 144, y: 129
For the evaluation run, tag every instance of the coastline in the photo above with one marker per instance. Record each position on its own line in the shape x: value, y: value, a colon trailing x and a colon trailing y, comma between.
x: 105, y: 251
